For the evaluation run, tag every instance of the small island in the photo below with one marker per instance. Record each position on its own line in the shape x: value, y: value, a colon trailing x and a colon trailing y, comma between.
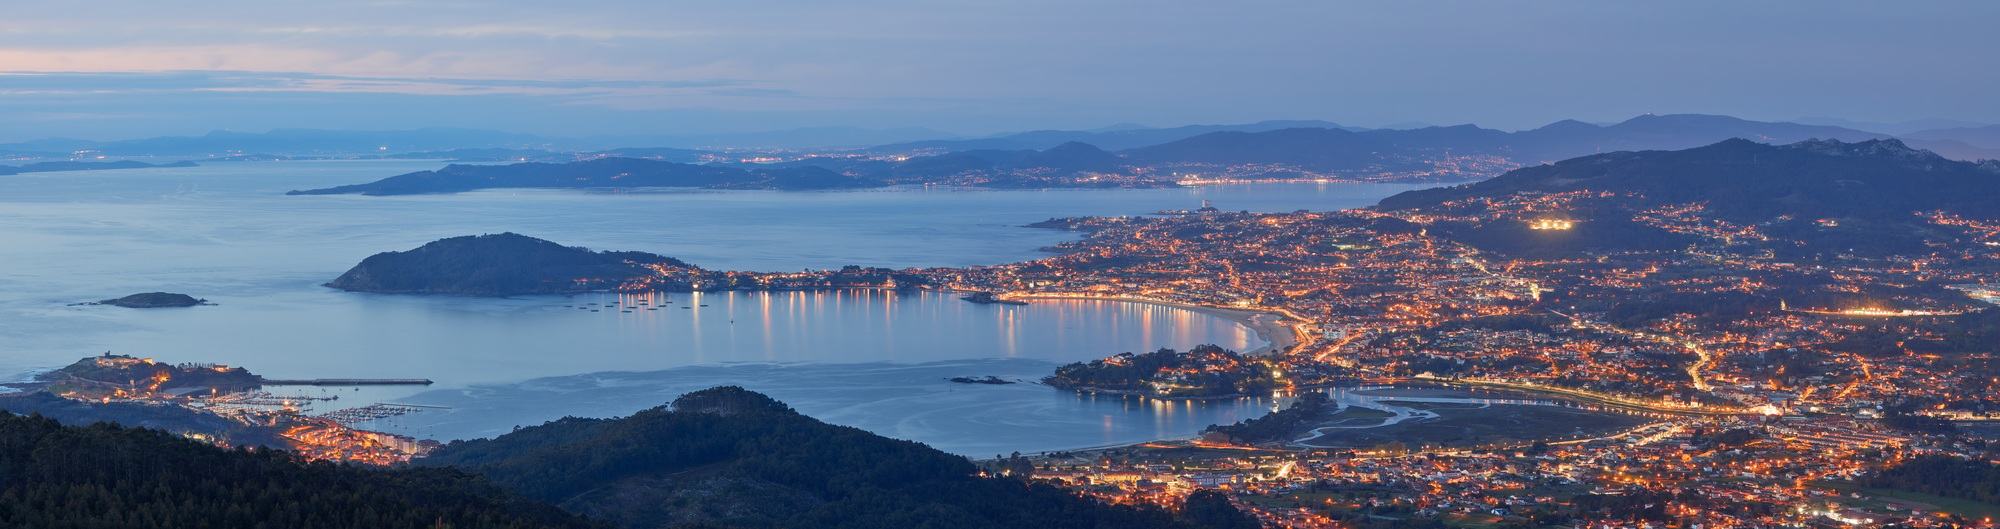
x: 988, y: 298
x: 510, y: 264
x: 988, y: 379
x: 150, y: 300
x: 1205, y: 371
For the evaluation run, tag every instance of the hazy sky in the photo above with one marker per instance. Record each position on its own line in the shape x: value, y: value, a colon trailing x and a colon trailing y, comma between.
x: 112, y: 69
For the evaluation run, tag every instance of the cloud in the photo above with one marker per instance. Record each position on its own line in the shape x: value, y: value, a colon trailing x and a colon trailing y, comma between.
x: 19, y: 83
x: 482, y: 31
x: 753, y: 92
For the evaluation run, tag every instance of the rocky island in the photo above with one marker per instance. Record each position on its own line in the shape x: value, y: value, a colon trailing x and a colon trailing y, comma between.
x: 510, y: 264
x: 151, y: 300
x: 988, y: 379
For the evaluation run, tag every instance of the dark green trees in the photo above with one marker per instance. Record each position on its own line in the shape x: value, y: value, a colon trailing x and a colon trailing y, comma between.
x: 55, y: 476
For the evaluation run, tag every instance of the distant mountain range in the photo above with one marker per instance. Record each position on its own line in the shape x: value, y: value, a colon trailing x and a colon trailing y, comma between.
x: 1297, y: 141
x: 1898, y: 128
x: 1145, y: 156
x: 1430, y: 153
x: 1115, y: 139
x: 1441, y: 149
x: 1286, y: 149
x: 1987, y: 137
x: 1466, y: 150
x: 1747, y: 181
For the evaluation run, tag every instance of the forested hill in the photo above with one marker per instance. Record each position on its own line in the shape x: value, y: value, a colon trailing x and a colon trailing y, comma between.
x: 729, y: 456
x: 55, y: 476
x: 501, y: 265
x: 1880, y: 180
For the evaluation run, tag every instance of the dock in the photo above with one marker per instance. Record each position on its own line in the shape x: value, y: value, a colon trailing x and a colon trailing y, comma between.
x: 351, y: 382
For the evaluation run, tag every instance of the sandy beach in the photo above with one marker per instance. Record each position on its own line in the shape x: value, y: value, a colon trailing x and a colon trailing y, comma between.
x: 1270, y: 327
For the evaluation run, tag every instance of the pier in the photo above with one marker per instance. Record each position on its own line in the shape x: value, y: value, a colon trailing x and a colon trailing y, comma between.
x: 351, y: 382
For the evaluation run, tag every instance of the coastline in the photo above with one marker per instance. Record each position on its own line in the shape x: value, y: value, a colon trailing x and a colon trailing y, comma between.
x: 1270, y: 327
x: 1142, y: 396
x: 1405, y: 386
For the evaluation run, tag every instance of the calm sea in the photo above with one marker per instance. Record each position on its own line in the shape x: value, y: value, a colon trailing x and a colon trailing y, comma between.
x: 876, y: 360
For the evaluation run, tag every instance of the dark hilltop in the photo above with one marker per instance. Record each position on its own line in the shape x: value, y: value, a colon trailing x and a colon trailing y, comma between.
x: 504, y: 265
x: 732, y: 457
x: 510, y: 264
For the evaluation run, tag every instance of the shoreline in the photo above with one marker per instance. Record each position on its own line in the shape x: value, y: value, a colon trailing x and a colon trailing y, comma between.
x: 1269, y: 327
x: 1408, y: 384
x: 1126, y: 394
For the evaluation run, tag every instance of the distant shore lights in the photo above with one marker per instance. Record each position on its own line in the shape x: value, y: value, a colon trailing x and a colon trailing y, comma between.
x: 1551, y: 224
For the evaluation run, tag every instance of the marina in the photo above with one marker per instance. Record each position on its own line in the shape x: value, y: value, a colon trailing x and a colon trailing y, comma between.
x: 380, y: 410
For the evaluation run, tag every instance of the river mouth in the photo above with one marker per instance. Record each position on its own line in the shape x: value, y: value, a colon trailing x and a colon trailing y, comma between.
x: 1409, y: 417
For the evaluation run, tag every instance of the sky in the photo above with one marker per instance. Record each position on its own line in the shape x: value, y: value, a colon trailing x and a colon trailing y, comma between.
x: 118, y: 69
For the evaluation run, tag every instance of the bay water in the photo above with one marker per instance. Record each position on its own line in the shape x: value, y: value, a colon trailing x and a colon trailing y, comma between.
x: 872, y: 359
